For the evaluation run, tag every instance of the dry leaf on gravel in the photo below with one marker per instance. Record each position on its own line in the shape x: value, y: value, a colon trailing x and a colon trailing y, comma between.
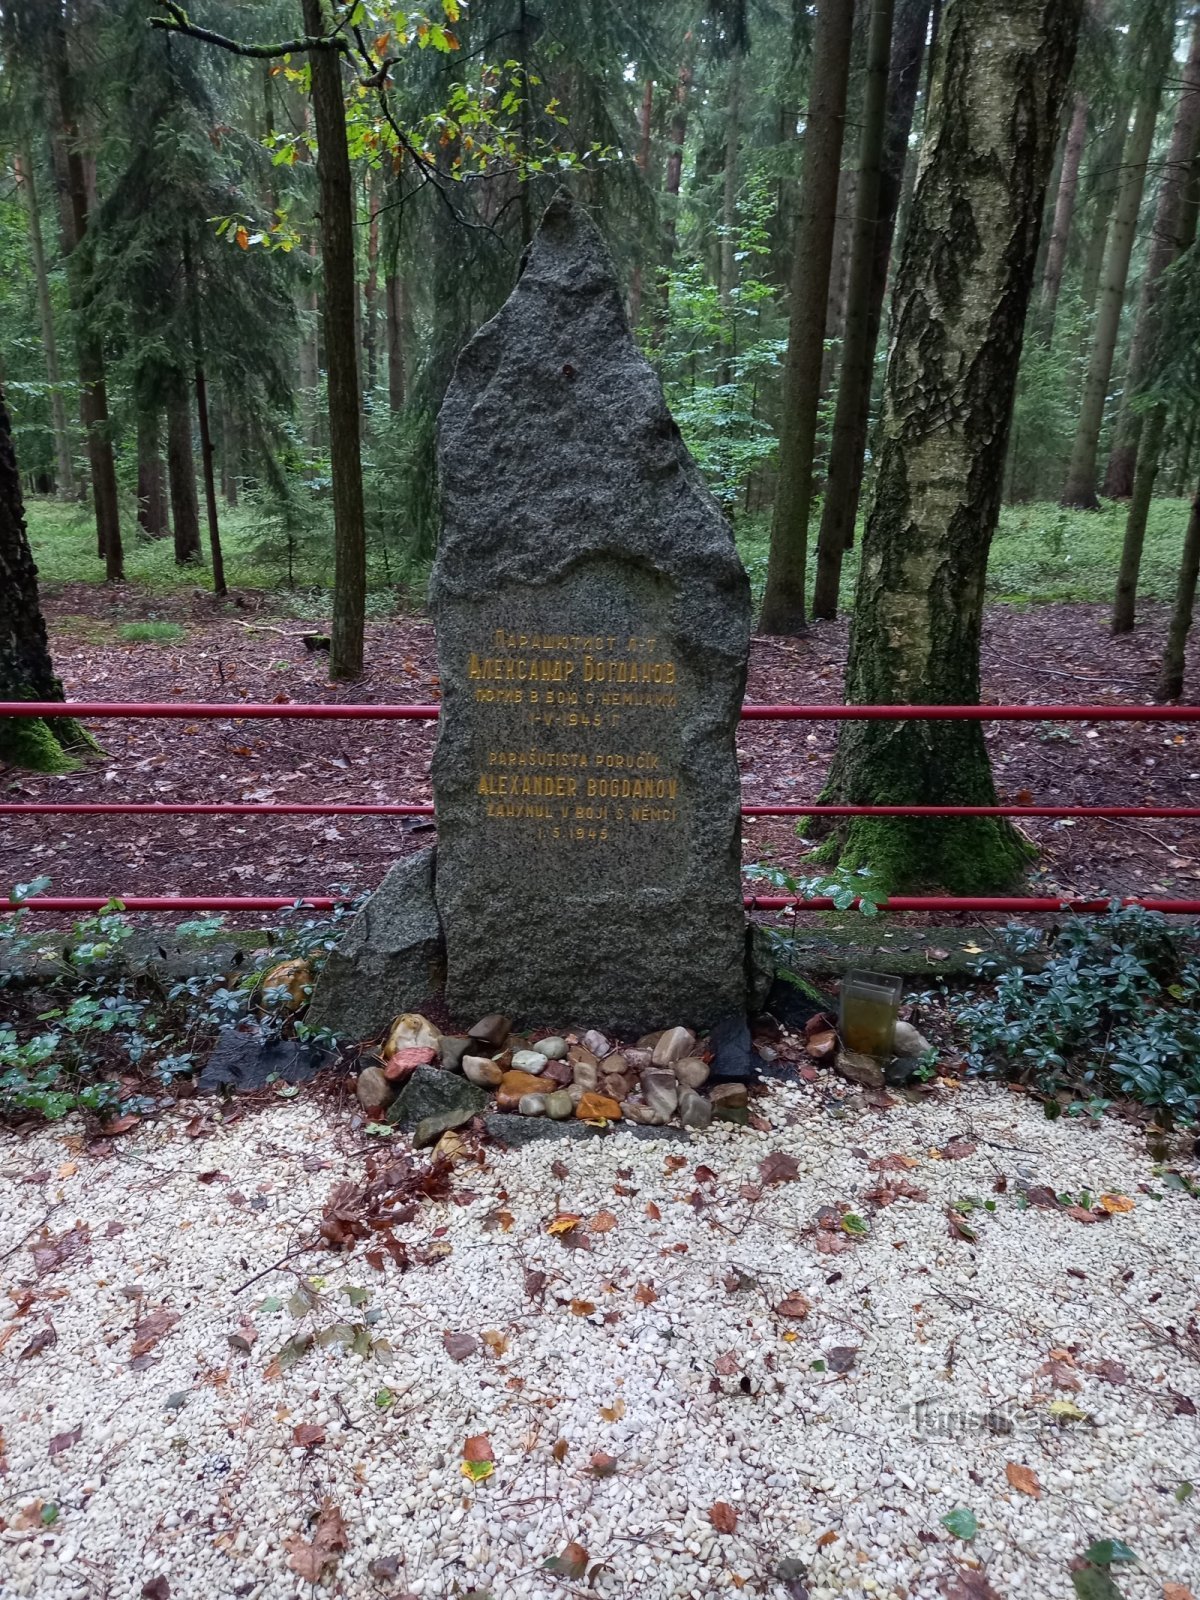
x: 156, y: 1589
x: 310, y: 1558
x: 892, y: 1163
x: 1115, y: 1204
x: 1023, y: 1479
x: 602, y: 1222
x: 886, y: 1194
x: 723, y: 1517
x: 674, y: 1163
x: 559, y: 1451
x: 968, y: 1585
x: 308, y: 1434
x: 148, y: 1330
x: 842, y: 1357
x: 1081, y: 1214
x: 246, y: 1337
x: 571, y: 1562
x: 645, y: 1294
x: 1111, y: 1371
x: 602, y: 1465
x: 42, y: 1340
x: 653, y: 1212
x: 795, y: 1306
x: 559, y: 1169
x: 727, y: 1364
x: 64, y: 1441
x: 583, y: 1308
x: 458, y: 1346
x: 832, y: 1244
x: 960, y: 1228
x: 496, y: 1341
x: 1176, y: 1591
x: 478, y: 1448
x: 779, y: 1167
x: 614, y: 1412
x: 563, y: 1222
x: 52, y: 1250
x: 956, y: 1149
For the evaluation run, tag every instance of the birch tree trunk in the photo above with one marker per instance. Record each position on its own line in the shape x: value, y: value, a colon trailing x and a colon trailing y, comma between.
x: 961, y: 296
x: 1170, y: 683
x: 783, y: 598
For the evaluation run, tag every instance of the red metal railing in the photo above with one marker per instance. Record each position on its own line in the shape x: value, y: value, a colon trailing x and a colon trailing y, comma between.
x: 238, y: 710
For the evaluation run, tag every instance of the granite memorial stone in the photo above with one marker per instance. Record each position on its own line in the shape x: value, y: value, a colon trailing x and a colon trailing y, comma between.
x: 593, y: 623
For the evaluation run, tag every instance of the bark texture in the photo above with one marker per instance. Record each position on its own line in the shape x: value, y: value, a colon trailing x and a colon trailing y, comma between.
x: 64, y: 466
x: 1166, y: 243
x: 783, y: 599
x: 879, y: 198
x: 181, y: 470
x: 961, y: 296
x: 1170, y: 683
x: 1064, y: 213
x: 93, y: 401
x: 26, y: 672
x: 151, y: 488
x: 337, y: 260
x: 1080, y: 489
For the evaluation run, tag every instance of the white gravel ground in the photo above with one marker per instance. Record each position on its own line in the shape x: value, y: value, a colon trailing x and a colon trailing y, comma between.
x: 703, y: 1395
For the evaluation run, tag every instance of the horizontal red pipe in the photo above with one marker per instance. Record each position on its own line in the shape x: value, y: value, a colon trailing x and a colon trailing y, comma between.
x: 197, y: 710
x: 287, y: 808
x: 754, y: 902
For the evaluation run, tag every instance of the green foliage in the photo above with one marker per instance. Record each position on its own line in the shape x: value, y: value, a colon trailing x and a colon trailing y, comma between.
x: 847, y: 888
x: 107, y: 1020
x: 1115, y: 1009
x: 151, y: 633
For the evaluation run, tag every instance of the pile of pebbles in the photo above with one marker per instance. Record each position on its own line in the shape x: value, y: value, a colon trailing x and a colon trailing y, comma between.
x: 668, y: 1076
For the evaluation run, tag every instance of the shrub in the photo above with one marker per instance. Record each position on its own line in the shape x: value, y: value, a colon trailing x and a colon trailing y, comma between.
x: 1115, y: 1010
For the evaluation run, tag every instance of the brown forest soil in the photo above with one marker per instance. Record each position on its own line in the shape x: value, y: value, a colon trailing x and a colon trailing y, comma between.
x: 1051, y: 653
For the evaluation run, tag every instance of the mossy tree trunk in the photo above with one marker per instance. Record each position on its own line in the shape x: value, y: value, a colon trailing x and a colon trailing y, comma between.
x: 26, y: 672
x: 181, y: 470
x: 961, y: 295
x: 1064, y: 212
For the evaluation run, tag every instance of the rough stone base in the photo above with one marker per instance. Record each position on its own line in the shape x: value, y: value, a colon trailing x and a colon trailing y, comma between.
x: 392, y: 958
x: 512, y: 1130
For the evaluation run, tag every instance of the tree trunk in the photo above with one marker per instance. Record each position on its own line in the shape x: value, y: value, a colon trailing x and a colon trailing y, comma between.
x: 1125, y: 601
x: 93, y: 399
x: 1184, y: 467
x: 1170, y: 682
x: 371, y: 296
x: 26, y: 672
x: 394, y: 299
x: 65, y: 468
x: 845, y: 222
x: 1104, y: 183
x: 181, y: 471
x: 151, y: 492
x: 231, y: 454
x: 1166, y: 243
x: 1064, y: 212
x: 893, y: 71
x: 1080, y: 488
x: 727, y: 277
x: 191, y: 289
x: 962, y: 292
x: 337, y: 259
x: 643, y: 163
x: 673, y: 174
x: 783, y: 599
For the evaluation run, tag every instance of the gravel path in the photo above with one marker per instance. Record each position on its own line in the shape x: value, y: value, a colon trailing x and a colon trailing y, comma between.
x: 185, y: 1477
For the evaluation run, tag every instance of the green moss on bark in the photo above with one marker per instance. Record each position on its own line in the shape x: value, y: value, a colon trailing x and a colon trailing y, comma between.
x: 965, y: 855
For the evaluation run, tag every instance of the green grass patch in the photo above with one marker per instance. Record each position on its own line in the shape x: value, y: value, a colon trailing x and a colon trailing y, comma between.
x: 1041, y: 552
x: 151, y: 633
x: 63, y: 540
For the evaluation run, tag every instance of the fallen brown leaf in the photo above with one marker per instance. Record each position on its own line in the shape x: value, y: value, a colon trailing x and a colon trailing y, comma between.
x: 1023, y: 1479
x: 653, y: 1212
x: 886, y: 1194
x: 478, y: 1448
x: 1176, y: 1591
x: 723, y: 1517
x: 795, y: 1306
x: 496, y: 1341
x: 892, y: 1163
x: 148, y: 1330
x: 308, y: 1434
x: 571, y: 1562
x: 614, y: 1412
x: 582, y: 1308
x: 645, y: 1294
x: 43, y: 1339
x: 560, y: 1450
x: 602, y: 1465
x: 602, y: 1222
x: 310, y: 1558
x: 64, y: 1441
x: 727, y: 1364
x: 956, y: 1149
x: 779, y: 1167
x: 51, y: 1250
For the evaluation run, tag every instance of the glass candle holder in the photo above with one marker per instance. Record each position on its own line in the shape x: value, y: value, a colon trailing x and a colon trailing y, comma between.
x: 870, y: 1002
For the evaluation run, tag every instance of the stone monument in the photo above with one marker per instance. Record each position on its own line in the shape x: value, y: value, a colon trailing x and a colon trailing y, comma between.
x: 593, y: 622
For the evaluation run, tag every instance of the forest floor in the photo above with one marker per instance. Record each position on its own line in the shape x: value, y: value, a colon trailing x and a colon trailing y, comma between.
x: 686, y: 1396
x: 207, y: 651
